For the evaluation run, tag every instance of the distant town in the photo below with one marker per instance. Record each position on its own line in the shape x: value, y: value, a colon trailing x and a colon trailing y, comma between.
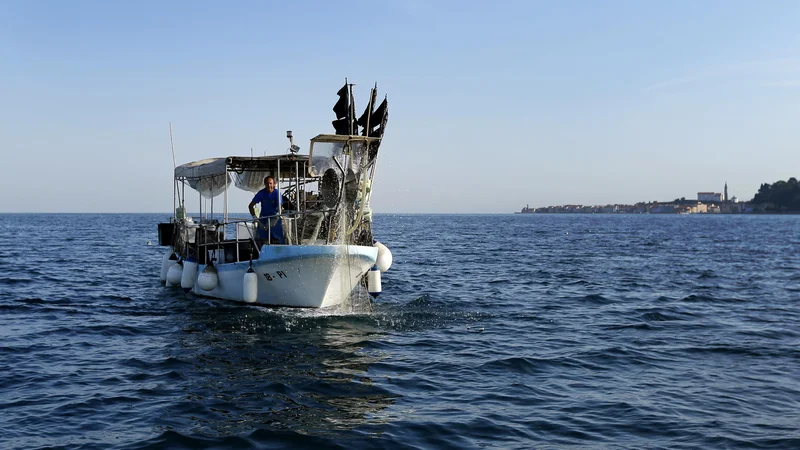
x: 705, y: 203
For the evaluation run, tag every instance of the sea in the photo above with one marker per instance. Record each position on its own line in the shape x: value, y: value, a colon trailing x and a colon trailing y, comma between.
x: 492, y: 331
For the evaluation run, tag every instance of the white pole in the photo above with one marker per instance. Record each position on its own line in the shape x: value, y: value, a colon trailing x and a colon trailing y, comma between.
x: 174, y: 166
x: 278, y: 184
x: 225, y: 200
x: 171, y: 144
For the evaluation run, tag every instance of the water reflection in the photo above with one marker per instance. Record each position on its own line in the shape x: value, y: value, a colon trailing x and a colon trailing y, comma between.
x: 250, y: 368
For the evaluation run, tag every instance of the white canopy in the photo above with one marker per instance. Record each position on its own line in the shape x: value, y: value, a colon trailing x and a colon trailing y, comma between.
x: 207, y: 176
x: 210, y: 176
x: 201, y: 169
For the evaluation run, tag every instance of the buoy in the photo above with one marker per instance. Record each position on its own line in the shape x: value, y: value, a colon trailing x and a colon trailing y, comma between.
x: 208, y: 278
x: 250, y: 286
x: 174, y: 274
x: 166, y: 262
x: 149, y: 243
x: 374, y: 281
x: 384, y: 259
x: 189, y: 274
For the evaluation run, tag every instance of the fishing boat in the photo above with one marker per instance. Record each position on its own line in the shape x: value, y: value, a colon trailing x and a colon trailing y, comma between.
x: 315, y: 251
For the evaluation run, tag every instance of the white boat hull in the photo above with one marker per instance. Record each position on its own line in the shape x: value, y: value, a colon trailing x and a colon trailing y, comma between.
x: 303, y: 276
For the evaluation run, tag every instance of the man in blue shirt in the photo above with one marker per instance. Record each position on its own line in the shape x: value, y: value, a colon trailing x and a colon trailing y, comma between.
x: 270, y: 201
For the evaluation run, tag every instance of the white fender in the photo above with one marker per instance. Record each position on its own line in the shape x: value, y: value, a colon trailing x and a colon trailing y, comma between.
x: 208, y: 278
x: 166, y: 262
x: 374, y: 281
x: 189, y: 274
x: 384, y: 259
x: 250, y: 286
x: 174, y: 274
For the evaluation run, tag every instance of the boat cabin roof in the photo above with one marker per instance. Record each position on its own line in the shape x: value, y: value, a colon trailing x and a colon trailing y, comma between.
x: 211, y: 176
x: 212, y: 167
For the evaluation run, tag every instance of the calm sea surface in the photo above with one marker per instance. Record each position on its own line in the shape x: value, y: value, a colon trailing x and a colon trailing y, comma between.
x: 502, y: 331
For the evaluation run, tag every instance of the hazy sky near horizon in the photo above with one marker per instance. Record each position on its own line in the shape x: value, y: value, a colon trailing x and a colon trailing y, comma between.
x: 493, y: 105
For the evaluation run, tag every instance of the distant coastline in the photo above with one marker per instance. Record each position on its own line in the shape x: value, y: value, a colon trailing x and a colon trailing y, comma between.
x: 679, y: 207
x: 781, y: 197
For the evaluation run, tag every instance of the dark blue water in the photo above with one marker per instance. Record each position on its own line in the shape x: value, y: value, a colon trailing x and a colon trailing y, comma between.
x: 515, y: 331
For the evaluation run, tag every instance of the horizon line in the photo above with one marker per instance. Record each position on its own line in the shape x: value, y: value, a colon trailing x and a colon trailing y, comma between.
x: 245, y: 213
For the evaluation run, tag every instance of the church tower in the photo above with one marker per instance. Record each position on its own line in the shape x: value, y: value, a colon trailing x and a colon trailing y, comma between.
x: 725, y: 198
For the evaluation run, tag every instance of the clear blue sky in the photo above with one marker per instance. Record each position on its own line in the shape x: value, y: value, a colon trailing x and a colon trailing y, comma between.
x: 494, y: 105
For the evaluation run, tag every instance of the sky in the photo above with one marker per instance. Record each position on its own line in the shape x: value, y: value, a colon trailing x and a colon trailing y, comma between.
x: 493, y: 105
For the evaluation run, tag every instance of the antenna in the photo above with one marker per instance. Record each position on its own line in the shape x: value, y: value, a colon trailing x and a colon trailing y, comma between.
x: 171, y: 144
x: 174, y: 166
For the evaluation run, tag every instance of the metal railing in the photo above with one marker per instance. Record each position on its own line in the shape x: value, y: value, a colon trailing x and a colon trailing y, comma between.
x: 265, y: 223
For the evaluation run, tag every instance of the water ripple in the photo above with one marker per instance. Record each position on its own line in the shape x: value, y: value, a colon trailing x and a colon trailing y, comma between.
x: 524, y: 331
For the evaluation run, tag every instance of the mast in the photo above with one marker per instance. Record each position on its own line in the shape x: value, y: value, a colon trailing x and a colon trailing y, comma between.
x: 351, y: 112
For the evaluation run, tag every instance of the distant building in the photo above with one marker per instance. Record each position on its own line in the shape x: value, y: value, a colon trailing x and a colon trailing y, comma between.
x: 663, y: 209
x: 709, y: 197
x: 726, y: 198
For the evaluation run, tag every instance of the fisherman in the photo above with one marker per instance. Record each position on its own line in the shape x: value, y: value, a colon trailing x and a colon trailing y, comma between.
x: 270, y: 206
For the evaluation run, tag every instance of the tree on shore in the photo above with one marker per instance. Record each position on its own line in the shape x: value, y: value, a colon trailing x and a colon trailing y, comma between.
x: 782, y: 196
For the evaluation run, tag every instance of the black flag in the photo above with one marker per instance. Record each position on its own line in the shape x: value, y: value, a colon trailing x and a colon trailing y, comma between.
x: 345, y: 111
x: 379, y: 118
x: 340, y: 108
x: 362, y: 121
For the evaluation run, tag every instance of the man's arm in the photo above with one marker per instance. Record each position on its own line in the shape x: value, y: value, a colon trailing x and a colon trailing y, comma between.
x: 250, y: 207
